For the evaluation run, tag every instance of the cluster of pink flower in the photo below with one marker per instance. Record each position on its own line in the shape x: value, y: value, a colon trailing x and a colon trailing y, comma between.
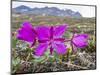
x: 50, y: 37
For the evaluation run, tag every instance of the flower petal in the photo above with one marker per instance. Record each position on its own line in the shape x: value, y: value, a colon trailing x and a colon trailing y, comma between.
x: 40, y: 50
x: 60, y: 48
x: 43, y: 32
x: 26, y: 32
x: 80, y: 40
x: 59, y: 30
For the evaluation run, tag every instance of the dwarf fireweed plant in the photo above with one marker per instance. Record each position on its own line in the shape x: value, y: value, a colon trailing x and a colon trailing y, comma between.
x: 50, y: 38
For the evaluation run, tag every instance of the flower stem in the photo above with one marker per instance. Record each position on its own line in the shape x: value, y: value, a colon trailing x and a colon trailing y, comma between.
x: 60, y: 59
x: 28, y: 57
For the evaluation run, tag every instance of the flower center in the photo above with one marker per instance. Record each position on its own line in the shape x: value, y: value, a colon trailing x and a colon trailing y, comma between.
x: 51, y: 41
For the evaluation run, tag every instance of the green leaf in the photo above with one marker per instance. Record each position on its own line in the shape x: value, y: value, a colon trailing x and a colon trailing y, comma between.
x: 47, y: 53
x: 40, y: 59
x: 15, y: 61
x: 79, y: 26
x: 69, y: 50
x: 14, y: 41
x: 51, y: 59
x: 56, y: 56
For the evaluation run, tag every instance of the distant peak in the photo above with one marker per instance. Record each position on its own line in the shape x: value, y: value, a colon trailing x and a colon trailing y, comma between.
x: 54, y: 11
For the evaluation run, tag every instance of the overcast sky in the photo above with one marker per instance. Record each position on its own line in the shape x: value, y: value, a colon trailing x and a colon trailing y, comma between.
x: 86, y: 11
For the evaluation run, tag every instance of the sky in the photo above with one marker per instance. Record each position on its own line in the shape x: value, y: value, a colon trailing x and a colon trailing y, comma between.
x: 86, y: 11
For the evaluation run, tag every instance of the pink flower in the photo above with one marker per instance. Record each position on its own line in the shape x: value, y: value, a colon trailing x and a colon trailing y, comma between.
x: 80, y: 40
x: 51, y: 37
x: 27, y: 33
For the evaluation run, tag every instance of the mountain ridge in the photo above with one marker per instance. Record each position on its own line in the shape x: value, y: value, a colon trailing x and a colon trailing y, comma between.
x: 52, y: 11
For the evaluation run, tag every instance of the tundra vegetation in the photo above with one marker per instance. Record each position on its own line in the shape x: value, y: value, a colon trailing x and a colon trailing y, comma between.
x: 27, y: 59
